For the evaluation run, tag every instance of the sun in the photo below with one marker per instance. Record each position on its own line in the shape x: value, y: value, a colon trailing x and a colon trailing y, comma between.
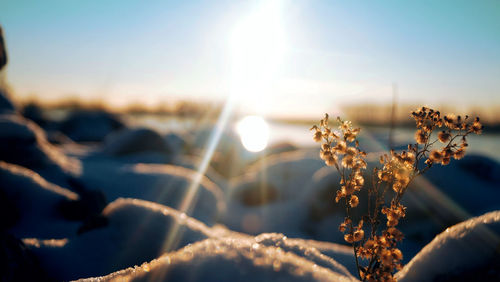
x: 257, y: 48
x: 253, y: 132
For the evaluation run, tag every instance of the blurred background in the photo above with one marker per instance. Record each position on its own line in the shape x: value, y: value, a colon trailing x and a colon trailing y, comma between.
x: 281, y: 60
x: 230, y: 89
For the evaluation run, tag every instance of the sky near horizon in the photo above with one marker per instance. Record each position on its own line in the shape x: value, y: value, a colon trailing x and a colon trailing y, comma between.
x: 279, y: 57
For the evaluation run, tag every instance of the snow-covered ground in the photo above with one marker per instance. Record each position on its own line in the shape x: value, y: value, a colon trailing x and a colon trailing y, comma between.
x: 134, y: 206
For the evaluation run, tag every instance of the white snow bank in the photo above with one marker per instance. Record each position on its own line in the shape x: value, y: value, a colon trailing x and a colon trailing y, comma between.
x: 273, y: 195
x: 457, y: 178
x: 460, y: 248
x: 137, y: 231
x: 176, y: 142
x: 193, y: 162
x: 170, y: 185
x: 25, y: 143
x: 329, y: 255
x: 35, y: 201
x: 140, y: 231
x: 124, y: 210
x: 35, y: 242
x: 264, y: 258
x: 229, y: 158
x: 288, y: 172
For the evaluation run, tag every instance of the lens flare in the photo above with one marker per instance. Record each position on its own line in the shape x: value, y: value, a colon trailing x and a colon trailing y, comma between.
x: 254, y: 133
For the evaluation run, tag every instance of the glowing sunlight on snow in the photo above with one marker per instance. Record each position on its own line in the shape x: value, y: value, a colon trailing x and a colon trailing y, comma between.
x: 254, y: 133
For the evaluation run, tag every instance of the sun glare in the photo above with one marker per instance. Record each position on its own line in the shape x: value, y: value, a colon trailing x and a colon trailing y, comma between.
x: 253, y: 132
x: 257, y: 54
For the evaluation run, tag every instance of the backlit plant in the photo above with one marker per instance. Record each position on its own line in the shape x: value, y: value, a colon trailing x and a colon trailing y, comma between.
x: 438, y: 140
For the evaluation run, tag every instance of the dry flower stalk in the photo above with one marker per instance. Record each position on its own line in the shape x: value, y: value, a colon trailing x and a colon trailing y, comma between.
x: 340, y: 149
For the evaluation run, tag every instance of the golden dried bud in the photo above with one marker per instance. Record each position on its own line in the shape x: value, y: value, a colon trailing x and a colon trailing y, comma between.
x: 354, y: 201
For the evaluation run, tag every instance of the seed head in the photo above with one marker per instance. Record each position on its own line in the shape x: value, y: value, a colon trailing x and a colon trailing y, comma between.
x: 354, y: 201
x: 420, y: 136
x: 444, y: 136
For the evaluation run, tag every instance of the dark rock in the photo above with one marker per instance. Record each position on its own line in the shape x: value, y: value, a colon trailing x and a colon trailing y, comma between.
x: 3, y: 50
x: 6, y: 105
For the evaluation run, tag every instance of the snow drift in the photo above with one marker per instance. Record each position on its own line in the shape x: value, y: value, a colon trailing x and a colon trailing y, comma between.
x: 170, y: 185
x: 268, y: 257
x: 137, y: 231
x: 462, y: 248
x: 33, y: 203
x: 24, y: 143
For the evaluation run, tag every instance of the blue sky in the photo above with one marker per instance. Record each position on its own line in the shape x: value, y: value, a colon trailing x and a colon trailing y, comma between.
x: 337, y: 52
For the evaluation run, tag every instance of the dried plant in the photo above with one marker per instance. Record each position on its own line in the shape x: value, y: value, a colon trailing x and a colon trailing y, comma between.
x: 376, y: 247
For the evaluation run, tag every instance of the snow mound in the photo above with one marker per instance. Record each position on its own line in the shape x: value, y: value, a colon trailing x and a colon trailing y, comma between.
x: 131, y: 141
x: 459, y: 249
x: 170, y: 185
x: 229, y: 158
x: 137, y: 231
x: 35, y: 203
x: 263, y: 258
x: 288, y: 172
x: 324, y: 215
x: 324, y: 184
x: 482, y: 167
x: 281, y: 147
x: 457, y: 178
x: 25, y: 144
x: 273, y: 195
x: 123, y: 210
x: 176, y: 143
x: 193, y: 162
x: 90, y: 125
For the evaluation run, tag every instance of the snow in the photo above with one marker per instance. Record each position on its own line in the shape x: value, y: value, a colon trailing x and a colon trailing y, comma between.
x: 272, y: 195
x: 455, y: 181
x: 140, y: 231
x: 229, y: 159
x: 36, y: 203
x: 462, y: 247
x: 137, y: 140
x: 170, y: 185
x: 137, y: 231
x: 176, y: 143
x: 25, y: 143
x: 230, y: 256
x: 90, y: 125
x: 249, y: 217
x: 238, y: 259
